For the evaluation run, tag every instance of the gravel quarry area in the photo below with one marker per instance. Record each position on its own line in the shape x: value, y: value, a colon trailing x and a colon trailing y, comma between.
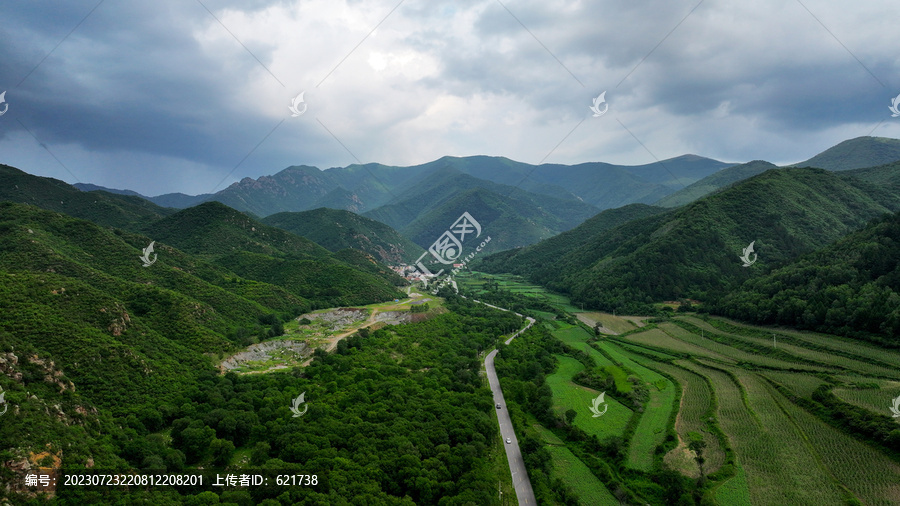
x: 393, y: 317
x: 261, y: 352
x: 337, y: 318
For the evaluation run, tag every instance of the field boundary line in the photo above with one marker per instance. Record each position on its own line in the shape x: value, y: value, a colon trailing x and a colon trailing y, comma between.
x: 743, y: 390
x: 775, y: 394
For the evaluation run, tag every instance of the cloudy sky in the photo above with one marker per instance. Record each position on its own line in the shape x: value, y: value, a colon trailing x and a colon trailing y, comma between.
x: 190, y: 96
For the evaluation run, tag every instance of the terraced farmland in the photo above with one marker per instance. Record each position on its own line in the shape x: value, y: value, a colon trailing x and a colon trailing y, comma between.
x: 568, y: 395
x: 751, y: 399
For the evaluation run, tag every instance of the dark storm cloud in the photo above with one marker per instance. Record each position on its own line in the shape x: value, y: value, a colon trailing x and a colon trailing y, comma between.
x: 160, y: 96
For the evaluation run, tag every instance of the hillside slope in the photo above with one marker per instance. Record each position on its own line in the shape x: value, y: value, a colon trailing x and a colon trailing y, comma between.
x: 338, y: 229
x: 856, y: 153
x: 693, y: 251
x: 268, y: 254
x: 851, y: 287
x: 714, y: 182
x: 108, y: 209
x: 533, y: 260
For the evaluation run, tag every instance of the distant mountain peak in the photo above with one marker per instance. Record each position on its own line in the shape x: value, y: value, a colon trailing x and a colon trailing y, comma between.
x: 856, y: 153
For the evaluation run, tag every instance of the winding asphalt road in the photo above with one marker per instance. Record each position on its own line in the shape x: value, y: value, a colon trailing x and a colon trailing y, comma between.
x: 520, y: 479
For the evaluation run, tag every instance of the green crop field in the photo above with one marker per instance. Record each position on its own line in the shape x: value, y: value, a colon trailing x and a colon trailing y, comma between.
x: 651, y: 429
x: 572, y: 471
x: 696, y: 402
x: 747, y: 397
x: 819, y: 341
x: 800, y: 350
x: 876, y: 400
x: 666, y: 338
x: 568, y: 395
x: 734, y: 492
x: 800, y: 384
x: 617, y: 324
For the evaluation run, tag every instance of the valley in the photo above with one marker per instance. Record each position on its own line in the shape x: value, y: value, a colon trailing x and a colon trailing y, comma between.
x: 747, y: 421
x: 638, y: 357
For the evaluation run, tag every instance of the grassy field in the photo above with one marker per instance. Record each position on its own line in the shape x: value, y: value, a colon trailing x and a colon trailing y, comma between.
x: 568, y: 395
x: 665, y: 337
x: 734, y: 492
x: 651, y: 429
x: 799, y: 351
x: 616, y: 324
x: 474, y: 281
x: 800, y: 384
x: 572, y: 471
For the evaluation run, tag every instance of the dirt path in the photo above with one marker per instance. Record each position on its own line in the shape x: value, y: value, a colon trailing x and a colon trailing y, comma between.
x: 333, y: 340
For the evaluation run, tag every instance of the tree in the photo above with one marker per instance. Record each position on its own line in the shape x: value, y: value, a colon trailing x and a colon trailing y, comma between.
x: 222, y: 450
x: 260, y: 453
x: 697, y: 444
x: 570, y: 415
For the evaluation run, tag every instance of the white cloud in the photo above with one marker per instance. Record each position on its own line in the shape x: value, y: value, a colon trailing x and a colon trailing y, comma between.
x: 165, y: 88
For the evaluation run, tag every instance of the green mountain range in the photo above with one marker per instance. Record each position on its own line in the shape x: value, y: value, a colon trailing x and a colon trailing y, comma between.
x: 856, y: 153
x: 513, y: 217
x: 848, y: 155
x: 850, y: 287
x: 693, y: 251
x: 714, y: 182
x: 268, y: 254
x: 109, y: 209
x: 337, y: 229
x: 362, y: 188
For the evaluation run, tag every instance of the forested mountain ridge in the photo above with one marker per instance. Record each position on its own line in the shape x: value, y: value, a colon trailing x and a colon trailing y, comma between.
x: 104, y: 208
x: 213, y: 229
x: 846, y: 156
x: 693, y: 251
x: 850, y: 287
x: 75, y: 290
x: 268, y: 254
x: 513, y: 217
x: 107, y: 364
x: 715, y: 182
x: 532, y: 260
x: 856, y: 153
x: 337, y: 229
x: 361, y: 188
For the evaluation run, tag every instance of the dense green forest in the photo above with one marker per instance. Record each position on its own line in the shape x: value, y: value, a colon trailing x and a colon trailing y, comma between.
x: 103, y: 208
x: 851, y: 287
x: 396, y: 416
x: 337, y: 229
x: 692, y: 251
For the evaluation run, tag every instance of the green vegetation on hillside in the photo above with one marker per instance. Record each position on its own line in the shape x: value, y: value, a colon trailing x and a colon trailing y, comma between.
x: 104, y: 208
x: 338, y: 229
x: 692, y: 251
x: 851, y: 288
x: 856, y: 153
